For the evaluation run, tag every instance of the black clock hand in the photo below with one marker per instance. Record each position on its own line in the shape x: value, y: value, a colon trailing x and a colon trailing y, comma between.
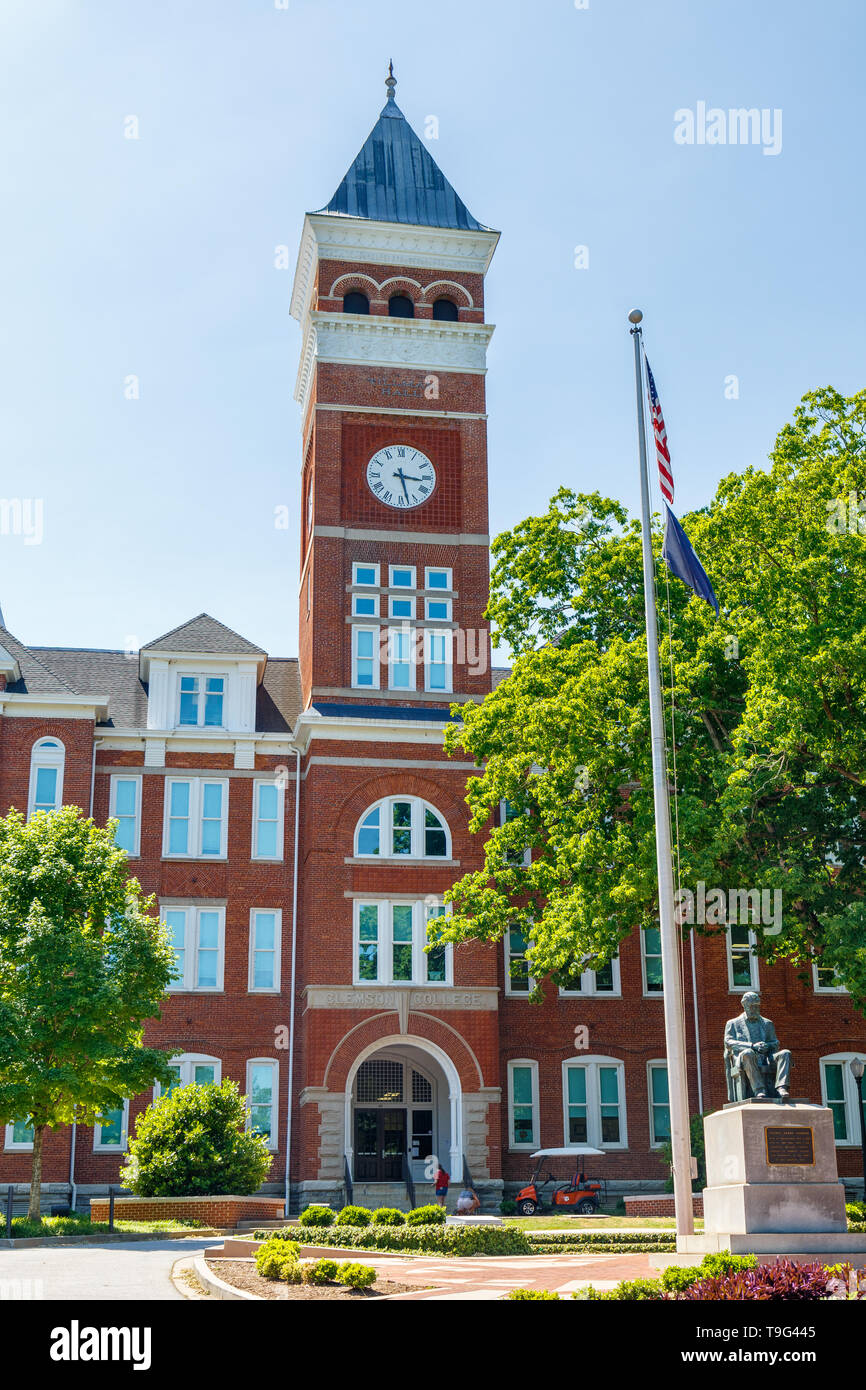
x: 403, y: 482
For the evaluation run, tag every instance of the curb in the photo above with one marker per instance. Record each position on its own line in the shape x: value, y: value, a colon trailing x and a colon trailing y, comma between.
x: 118, y: 1237
x: 217, y: 1287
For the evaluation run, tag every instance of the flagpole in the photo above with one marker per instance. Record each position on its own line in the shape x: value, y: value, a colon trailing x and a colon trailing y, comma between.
x: 678, y: 1089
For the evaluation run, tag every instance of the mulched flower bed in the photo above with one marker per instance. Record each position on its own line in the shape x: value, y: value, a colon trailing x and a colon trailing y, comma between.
x: 242, y: 1275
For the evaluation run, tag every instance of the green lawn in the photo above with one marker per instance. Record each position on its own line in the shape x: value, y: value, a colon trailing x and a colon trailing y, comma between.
x: 594, y: 1223
x: 62, y: 1226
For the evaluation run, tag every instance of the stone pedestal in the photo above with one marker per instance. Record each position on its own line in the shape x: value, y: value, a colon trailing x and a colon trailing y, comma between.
x: 772, y: 1186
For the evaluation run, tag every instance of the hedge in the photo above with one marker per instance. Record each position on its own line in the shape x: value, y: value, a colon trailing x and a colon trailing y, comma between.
x: 424, y: 1240
x: 600, y: 1242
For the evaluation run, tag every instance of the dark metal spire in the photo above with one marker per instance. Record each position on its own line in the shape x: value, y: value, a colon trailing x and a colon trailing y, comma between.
x: 391, y: 82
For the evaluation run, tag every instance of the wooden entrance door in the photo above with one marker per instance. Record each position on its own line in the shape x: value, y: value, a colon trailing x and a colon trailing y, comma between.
x: 380, y: 1143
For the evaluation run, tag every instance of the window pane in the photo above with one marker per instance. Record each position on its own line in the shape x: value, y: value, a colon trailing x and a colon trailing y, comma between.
x: 401, y: 608
x: 604, y: 978
x: 124, y: 797
x: 368, y: 948
x: 402, y: 823
x: 576, y: 1086
x: 438, y: 609
x: 577, y: 1129
x: 265, y: 926
x: 213, y: 704
x: 402, y: 941
x: 835, y: 1084
x: 365, y: 605
x: 208, y: 952
x: 269, y: 801
x: 111, y: 1129
x: 524, y: 1132
x: 401, y: 579
x: 518, y: 968
x: 521, y: 1085
x: 659, y: 1083
x: 368, y: 835
x: 608, y: 1085
x: 211, y: 826
x: 365, y: 574
x: 188, y: 700
x: 176, y: 923
x: 263, y: 970
x: 609, y: 1125
x: 124, y: 835
x: 434, y: 836
x: 46, y: 789
x: 436, y: 965
x: 22, y: 1132
x: 437, y: 579
x: 204, y: 1074
x: 266, y: 841
x: 652, y: 941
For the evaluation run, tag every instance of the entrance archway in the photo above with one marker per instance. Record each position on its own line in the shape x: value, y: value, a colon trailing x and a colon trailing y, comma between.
x: 403, y: 1097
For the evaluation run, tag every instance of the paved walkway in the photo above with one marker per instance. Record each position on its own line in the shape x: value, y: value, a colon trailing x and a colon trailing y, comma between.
x: 133, y: 1270
x: 479, y: 1278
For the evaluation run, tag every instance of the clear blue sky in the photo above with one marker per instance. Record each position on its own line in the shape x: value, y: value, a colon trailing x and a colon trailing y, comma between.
x: 155, y: 257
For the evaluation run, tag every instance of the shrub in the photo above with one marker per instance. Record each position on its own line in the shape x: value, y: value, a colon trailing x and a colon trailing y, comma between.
x: 356, y: 1276
x: 278, y: 1259
x: 785, y: 1281
x: 507, y: 1207
x: 524, y: 1295
x: 675, y: 1280
x: 319, y: 1271
x: 287, y: 1233
x: 354, y: 1216
x: 317, y: 1216
x: 388, y: 1216
x: 856, y: 1211
x: 433, y: 1240
x: 431, y: 1215
x: 193, y: 1142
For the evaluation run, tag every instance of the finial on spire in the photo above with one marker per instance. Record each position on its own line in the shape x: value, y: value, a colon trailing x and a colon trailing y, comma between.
x: 390, y: 81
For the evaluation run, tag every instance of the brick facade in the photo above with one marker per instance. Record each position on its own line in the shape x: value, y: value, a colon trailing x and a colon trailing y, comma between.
x: 420, y: 382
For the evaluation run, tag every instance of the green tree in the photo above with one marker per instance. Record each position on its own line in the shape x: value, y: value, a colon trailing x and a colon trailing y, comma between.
x: 193, y: 1142
x: 83, y: 963
x: 767, y: 724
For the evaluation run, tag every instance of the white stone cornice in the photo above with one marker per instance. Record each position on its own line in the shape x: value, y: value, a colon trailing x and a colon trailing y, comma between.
x: 427, y: 345
x: 329, y: 236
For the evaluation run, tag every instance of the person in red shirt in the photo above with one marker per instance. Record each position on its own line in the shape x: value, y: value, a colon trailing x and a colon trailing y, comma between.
x: 440, y: 1183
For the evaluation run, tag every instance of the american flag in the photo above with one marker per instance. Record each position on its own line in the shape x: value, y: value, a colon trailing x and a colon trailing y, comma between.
x: 666, y: 477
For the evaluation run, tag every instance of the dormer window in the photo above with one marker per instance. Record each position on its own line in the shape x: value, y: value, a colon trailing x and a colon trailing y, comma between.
x: 201, y: 701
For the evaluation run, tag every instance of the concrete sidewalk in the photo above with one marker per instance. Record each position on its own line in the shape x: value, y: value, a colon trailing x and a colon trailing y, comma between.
x: 139, y: 1270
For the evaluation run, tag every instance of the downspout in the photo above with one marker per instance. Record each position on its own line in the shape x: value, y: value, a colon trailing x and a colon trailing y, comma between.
x: 290, y: 1079
x: 73, y: 1187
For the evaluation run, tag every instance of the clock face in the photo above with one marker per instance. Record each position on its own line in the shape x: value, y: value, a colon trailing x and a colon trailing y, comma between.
x: 401, y: 476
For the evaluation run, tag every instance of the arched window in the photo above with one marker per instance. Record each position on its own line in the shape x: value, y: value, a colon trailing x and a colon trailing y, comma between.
x: 402, y: 826
x: 46, y: 775
x: 401, y: 307
x: 356, y: 303
x: 445, y: 310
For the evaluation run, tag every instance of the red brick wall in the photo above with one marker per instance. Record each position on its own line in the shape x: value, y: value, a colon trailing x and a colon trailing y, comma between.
x: 210, y: 1211
x: 658, y: 1206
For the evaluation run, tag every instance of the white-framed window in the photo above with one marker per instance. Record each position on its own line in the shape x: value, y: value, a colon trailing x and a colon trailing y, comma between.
x: 263, y: 1093
x: 401, y: 658
x: 438, y: 578
x: 651, y: 961
x: 365, y: 657
x: 198, y: 937
x: 401, y: 577
x: 196, y: 818
x: 266, y: 925
x: 365, y: 605
x: 191, y: 1069
x: 125, y: 808
x: 523, y: 1123
x: 659, y: 1103
x: 593, y: 1098
x: 200, y: 701
x: 742, y: 962
x: 401, y: 607
x: 826, y: 981
x: 841, y: 1093
x: 111, y: 1134
x: 402, y: 827
x: 47, y: 760
x: 390, y: 937
x: 19, y: 1136
x: 604, y: 981
x: 518, y: 980
x: 365, y: 575
x: 438, y: 659
x: 437, y: 610
x: 268, y: 819
x: 508, y: 813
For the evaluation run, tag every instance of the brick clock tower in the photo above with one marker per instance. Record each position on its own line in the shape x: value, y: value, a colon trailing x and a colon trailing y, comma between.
x: 397, y: 1047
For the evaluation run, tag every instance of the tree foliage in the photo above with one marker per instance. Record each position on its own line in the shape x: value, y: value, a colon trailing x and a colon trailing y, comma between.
x: 83, y: 963
x: 766, y: 729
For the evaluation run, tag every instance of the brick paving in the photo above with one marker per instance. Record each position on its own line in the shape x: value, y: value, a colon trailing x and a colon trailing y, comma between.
x: 477, y: 1278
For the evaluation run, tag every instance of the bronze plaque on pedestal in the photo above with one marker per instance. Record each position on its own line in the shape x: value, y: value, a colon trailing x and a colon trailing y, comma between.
x: 790, y: 1144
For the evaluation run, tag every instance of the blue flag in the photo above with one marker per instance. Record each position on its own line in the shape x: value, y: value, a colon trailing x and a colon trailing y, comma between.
x: 682, y: 561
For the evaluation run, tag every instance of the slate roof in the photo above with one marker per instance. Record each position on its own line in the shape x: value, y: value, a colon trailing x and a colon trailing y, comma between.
x: 394, y: 178
x: 115, y: 674
x: 499, y: 674
x: 204, y: 634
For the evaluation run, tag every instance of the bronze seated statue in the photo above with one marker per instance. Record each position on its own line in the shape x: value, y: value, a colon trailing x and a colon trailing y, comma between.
x: 755, y: 1065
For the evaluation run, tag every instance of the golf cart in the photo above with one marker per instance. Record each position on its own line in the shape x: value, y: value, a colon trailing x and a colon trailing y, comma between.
x: 581, y: 1195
